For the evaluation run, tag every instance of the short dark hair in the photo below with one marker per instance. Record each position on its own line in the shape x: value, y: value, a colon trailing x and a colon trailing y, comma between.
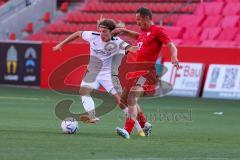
x: 144, y: 12
x: 107, y: 23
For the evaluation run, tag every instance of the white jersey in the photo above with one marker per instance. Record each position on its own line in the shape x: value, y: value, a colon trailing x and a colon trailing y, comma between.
x: 105, y: 57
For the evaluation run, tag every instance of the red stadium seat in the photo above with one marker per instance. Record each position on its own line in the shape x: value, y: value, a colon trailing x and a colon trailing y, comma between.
x: 29, y: 28
x: 190, y: 42
x: 64, y: 7
x: 224, y: 44
x: 174, y: 32
x: 190, y: 29
x: 192, y: 33
x: 190, y: 20
x: 210, y: 8
x: 237, y: 38
x: 169, y: 19
x: 188, y: 8
x: 65, y: 28
x: 211, y: 21
x: 52, y: 28
x: 232, y: 1
x: 12, y: 36
x: 210, y: 33
x: 213, y: 8
x: 227, y: 34
x: 55, y: 28
x: 125, y: 6
x: 209, y: 43
x: 230, y: 21
x: 231, y: 8
x: 46, y: 17
x: 164, y: 7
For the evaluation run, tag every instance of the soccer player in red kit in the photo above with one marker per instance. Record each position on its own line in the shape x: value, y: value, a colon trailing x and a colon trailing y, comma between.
x: 150, y: 41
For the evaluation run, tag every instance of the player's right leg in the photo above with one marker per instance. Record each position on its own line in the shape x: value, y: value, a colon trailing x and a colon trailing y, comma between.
x: 145, y: 81
x: 132, y: 99
x: 113, y: 86
x: 87, y: 101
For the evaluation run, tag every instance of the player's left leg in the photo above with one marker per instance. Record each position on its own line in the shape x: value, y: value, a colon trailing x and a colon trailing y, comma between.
x: 132, y: 99
x: 125, y: 110
x: 142, y: 119
x: 142, y: 123
x: 113, y: 86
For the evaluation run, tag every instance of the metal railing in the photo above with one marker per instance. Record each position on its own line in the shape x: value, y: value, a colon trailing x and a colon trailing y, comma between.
x: 11, y: 7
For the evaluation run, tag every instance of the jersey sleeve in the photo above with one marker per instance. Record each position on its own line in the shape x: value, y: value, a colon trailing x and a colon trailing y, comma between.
x: 123, y: 46
x: 162, y: 36
x: 86, y: 35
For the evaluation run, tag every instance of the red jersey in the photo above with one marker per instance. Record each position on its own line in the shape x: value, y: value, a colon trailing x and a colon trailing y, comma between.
x: 150, y: 43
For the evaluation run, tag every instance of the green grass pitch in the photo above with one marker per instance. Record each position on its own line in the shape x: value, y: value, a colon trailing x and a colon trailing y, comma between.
x: 183, y: 128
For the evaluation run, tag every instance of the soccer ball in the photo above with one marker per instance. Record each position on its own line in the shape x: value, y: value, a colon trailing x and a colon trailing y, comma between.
x: 69, y: 125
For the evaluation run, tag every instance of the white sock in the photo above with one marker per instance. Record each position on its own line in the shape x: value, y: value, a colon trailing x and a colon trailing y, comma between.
x: 137, y: 126
x: 88, y: 104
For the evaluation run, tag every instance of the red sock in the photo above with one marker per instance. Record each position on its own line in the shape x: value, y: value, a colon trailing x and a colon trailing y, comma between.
x: 141, y: 119
x: 129, y: 124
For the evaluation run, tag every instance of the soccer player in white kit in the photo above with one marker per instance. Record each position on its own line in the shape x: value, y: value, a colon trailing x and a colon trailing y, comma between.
x: 106, y: 53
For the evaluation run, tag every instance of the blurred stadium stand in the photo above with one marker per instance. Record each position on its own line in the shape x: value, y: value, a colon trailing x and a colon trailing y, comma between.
x: 188, y: 22
x: 26, y: 14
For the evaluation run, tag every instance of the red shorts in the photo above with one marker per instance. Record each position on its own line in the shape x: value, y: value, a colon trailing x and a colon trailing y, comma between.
x: 146, y: 79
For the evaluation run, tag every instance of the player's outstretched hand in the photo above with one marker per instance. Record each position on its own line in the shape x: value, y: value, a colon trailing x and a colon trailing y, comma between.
x: 57, y: 48
x: 118, y: 31
x: 175, y: 62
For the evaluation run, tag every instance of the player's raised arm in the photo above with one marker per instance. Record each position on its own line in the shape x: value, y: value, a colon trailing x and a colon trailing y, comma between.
x: 132, y: 49
x: 174, y: 54
x: 69, y: 39
x: 126, y: 32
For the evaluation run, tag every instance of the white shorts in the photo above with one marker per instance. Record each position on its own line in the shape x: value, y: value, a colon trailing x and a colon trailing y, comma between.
x: 110, y: 83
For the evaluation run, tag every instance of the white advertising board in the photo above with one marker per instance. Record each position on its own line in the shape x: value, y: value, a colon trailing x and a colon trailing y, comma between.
x: 223, y: 81
x: 186, y: 80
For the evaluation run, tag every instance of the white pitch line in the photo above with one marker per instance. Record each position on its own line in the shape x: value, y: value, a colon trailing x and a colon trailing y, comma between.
x: 20, y: 98
x: 190, y: 158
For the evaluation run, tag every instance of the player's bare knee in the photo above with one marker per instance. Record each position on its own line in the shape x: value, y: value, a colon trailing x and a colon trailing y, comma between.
x: 136, y: 91
x: 134, y: 95
x: 84, y: 91
x: 132, y: 100
x: 132, y: 112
